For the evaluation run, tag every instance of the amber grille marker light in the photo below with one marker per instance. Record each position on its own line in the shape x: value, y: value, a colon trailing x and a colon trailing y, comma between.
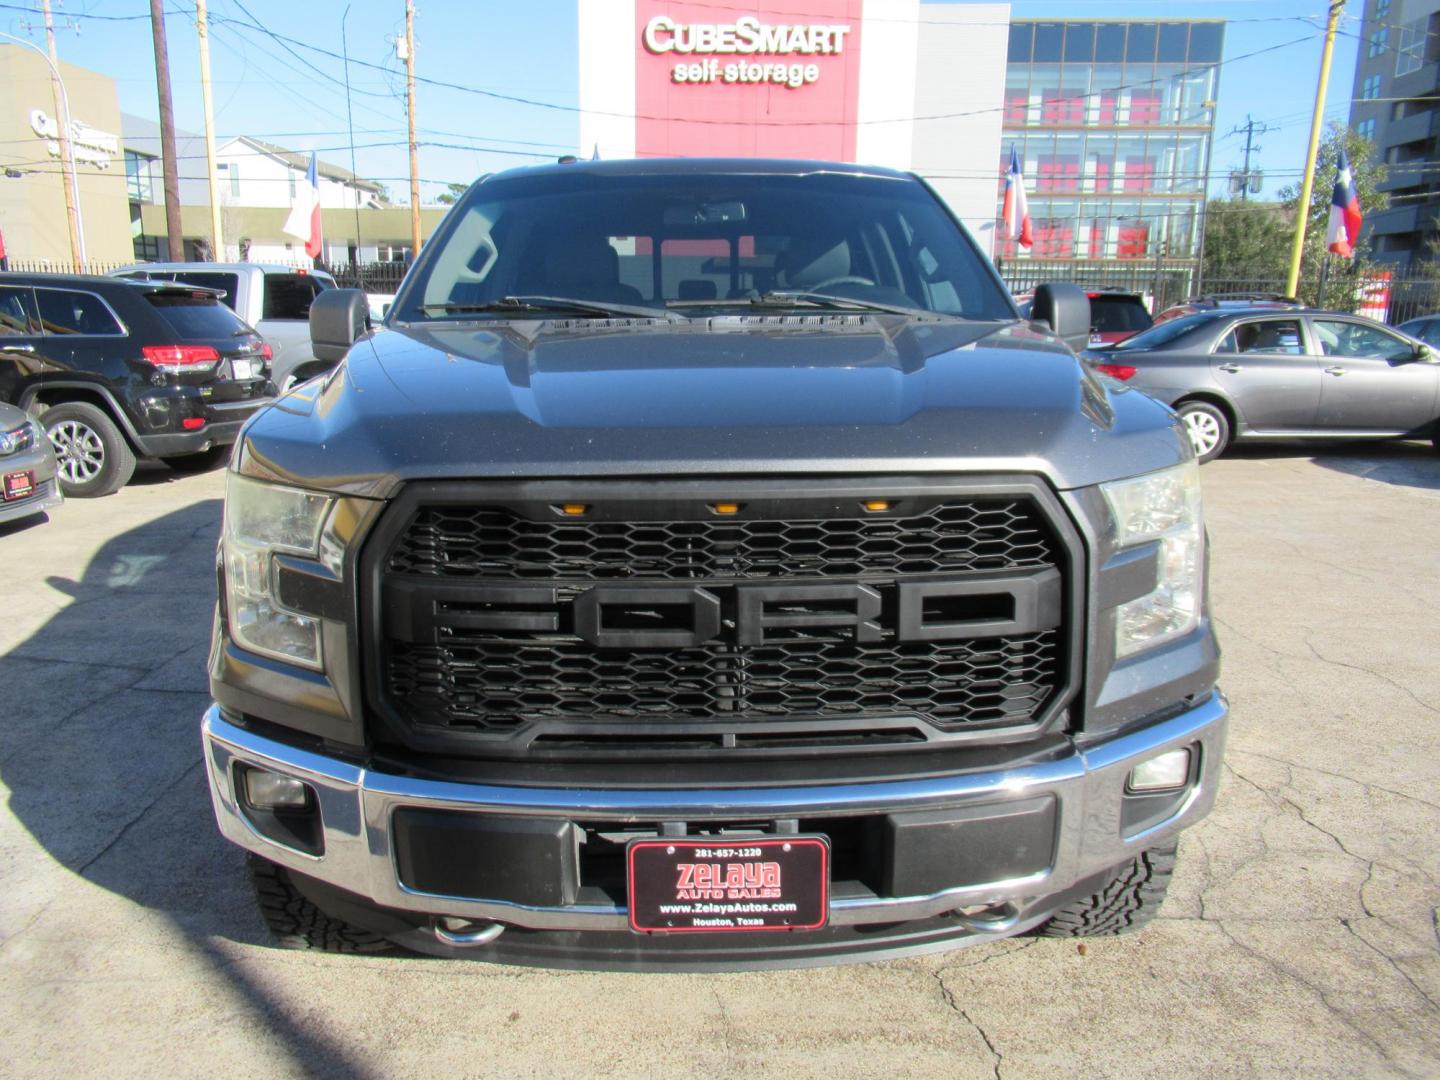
x: 877, y: 505
x: 725, y: 508
x: 574, y: 509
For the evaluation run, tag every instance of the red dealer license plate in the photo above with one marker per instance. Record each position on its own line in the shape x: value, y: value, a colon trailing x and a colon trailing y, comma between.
x: 19, y: 484
x: 705, y: 885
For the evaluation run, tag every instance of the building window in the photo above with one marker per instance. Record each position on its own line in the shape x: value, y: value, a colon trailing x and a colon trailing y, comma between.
x: 1060, y: 106
x: 1139, y: 174
x: 1370, y: 88
x: 234, y: 181
x: 1382, y: 8
x: 1144, y: 106
x: 1131, y: 240
x: 1017, y: 106
x: 1366, y: 129
x: 1104, y: 170
x: 290, y: 175
x: 1057, y: 174
x: 392, y: 253
x: 1379, y: 41
x: 1410, y: 56
x: 137, y: 177
x: 1054, y: 239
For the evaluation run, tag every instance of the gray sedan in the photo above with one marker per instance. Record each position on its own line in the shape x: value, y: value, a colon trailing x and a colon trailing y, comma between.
x: 1266, y: 374
x: 27, y: 467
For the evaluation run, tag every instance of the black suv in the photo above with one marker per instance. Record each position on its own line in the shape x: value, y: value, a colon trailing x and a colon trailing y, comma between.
x: 117, y: 369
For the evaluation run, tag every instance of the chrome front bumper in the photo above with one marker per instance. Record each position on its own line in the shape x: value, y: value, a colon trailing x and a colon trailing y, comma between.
x: 356, y: 807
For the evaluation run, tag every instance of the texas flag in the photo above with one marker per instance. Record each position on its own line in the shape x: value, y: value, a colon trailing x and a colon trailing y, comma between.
x: 1345, y: 214
x: 1016, y: 209
x: 304, y: 220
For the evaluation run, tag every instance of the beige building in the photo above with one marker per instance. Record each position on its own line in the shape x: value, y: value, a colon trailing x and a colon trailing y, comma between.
x: 121, y: 192
x: 32, y: 195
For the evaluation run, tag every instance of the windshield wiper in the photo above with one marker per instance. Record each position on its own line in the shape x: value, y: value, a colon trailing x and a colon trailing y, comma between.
x: 520, y: 304
x: 789, y: 298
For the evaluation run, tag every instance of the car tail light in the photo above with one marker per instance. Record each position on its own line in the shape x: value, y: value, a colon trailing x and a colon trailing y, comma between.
x: 1116, y: 371
x: 267, y: 352
x: 175, y: 358
x: 193, y: 423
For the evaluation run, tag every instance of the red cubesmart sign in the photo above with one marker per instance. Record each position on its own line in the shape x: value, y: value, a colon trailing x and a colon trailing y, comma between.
x: 775, y: 80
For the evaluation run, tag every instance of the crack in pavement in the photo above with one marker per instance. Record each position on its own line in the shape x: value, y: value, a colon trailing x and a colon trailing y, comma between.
x: 1365, y: 784
x: 1369, y: 671
x: 1321, y: 995
x: 1346, y: 923
x: 124, y: 829
x: 947, y: 996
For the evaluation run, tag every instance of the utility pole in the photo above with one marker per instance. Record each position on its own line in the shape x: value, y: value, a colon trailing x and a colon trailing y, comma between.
x: 174, y: 230
x: 67, y: 156
x: 217, y: 236
x: 1251, y: 128
x: 1302, y: 215
x: 410, y: 109
x: 355, y: 263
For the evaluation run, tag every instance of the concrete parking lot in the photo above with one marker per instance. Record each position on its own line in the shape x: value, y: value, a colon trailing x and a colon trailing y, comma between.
x: 1302, y: 936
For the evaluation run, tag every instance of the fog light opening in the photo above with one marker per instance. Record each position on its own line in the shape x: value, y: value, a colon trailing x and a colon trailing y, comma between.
x: 266, y: 790
x: 1164, y: 772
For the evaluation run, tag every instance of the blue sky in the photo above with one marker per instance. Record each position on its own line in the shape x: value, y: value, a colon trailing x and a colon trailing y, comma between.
x: 295, y: 96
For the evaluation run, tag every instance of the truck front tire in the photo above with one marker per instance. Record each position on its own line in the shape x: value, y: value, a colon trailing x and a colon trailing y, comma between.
x: 296, y: 923
x: 1128, y: 898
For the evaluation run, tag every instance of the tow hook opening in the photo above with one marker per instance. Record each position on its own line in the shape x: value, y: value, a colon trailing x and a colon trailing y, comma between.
x: 988, y: 918
x: 464, y: 933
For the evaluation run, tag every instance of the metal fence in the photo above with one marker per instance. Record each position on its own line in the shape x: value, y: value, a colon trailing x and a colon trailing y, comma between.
x: 1380, y: 292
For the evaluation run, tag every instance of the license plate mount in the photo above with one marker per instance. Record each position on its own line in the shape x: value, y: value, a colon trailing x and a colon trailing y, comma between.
x: 709, y: 885
x: 19, y: 485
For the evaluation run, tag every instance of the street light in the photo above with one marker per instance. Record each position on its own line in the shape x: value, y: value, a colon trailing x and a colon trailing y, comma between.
x: 68, y: 132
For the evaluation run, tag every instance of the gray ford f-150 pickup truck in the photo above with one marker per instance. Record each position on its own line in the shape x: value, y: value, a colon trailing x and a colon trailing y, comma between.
x: 703, y: 567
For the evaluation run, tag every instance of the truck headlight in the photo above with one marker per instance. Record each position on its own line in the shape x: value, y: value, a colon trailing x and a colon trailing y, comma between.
x: 262, y: 520
x: 1164, y: 508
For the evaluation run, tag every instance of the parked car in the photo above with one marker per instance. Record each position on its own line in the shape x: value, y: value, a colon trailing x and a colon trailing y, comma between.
x: 1236, y: 301
x: 1115, y: 314
x: 1426, y: 328
x: 116, y: 369
x: 274, y: 299
x: 766, y: 594
x: 1259, y: 373
x: 27, y: 466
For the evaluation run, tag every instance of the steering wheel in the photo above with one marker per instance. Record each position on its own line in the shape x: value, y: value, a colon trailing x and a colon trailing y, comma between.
x: 847, y: 279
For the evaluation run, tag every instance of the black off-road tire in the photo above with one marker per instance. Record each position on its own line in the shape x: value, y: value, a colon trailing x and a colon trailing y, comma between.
x: 296, y: 923
x: 1128, y: 899
x: 1208, y: 428
x: 204, y: 461
x: 103, y: 460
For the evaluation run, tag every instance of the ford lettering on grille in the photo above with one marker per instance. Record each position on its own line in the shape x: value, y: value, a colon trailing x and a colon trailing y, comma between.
x: 685, y: 616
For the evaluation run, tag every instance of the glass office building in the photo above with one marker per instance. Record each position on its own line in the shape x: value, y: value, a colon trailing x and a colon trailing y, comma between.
x: 1113, y: 121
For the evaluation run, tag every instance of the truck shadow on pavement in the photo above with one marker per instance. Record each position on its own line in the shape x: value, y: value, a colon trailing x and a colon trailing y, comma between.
x: 1404, y: 464
x: 100, y: 751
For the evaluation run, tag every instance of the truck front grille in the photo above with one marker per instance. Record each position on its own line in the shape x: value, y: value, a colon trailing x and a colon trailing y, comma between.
x: 501, y: 625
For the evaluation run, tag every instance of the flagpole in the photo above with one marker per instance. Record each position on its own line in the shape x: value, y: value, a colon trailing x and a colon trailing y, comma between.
x: 1302, y: 210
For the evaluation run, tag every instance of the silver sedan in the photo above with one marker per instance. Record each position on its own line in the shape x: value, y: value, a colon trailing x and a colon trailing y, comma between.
x: 27, y: 467
x: 1265, y: 374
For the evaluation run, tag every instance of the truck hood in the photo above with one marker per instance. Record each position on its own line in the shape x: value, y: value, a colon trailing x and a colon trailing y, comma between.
x: 822, y: 394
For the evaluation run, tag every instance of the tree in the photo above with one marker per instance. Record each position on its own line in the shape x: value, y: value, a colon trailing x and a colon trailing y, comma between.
x: 452, y: 193
x: 1245, y: 241
x: 1368, y: 175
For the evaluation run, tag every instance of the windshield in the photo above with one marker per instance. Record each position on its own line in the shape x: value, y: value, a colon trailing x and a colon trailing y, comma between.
x: 1166, y: 332
x: 691, y: 242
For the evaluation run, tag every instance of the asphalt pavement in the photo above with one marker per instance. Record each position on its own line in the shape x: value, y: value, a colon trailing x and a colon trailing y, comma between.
x: 1302, y: 935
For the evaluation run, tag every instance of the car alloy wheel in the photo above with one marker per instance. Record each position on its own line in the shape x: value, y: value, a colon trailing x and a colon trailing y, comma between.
x: 1204, y: 431
x: 80, y: 451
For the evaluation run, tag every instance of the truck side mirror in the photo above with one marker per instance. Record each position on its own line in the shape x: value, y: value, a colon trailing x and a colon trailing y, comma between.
x: 338, y: 319
x: 1066, y: 310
